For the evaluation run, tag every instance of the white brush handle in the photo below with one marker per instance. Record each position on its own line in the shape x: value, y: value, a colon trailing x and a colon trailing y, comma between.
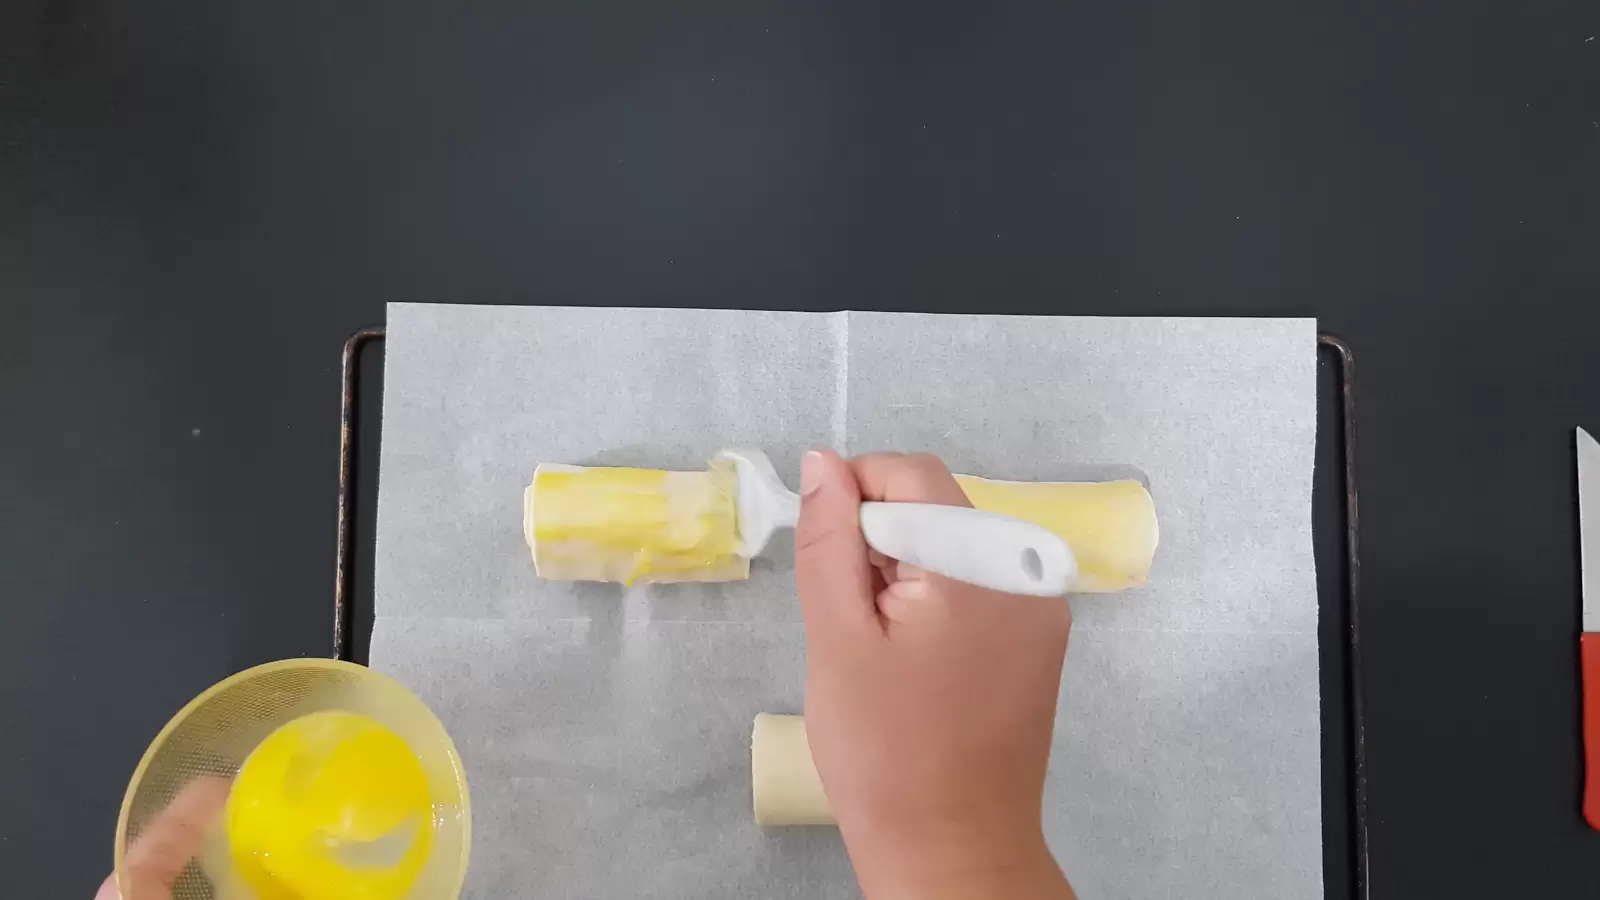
x: 987, y: 549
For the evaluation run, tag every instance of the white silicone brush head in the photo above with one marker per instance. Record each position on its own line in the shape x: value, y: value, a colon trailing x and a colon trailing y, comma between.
x: 765, y: 503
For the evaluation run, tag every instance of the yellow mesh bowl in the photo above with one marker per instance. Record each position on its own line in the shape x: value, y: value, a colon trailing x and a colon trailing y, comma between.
x: 209, y: 739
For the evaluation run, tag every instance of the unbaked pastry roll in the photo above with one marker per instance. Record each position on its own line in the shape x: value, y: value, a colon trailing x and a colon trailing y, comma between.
x: 783, y: 781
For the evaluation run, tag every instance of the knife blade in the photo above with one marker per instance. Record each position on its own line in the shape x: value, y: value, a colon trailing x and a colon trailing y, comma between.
x: 1589, y: 642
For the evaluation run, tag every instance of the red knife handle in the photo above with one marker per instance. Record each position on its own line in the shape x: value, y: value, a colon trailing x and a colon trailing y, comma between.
x: 1590, y: 652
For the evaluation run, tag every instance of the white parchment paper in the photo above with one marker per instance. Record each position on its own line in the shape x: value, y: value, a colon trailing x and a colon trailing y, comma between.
x: 606, y: 730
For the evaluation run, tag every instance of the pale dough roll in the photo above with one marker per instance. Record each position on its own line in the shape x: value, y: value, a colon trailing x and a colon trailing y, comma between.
x: 1110, y: 525
x: 783, y: 780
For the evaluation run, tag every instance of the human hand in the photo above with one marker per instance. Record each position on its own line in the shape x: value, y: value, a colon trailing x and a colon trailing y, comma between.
x: 156, y: 859
x: 929, y: 702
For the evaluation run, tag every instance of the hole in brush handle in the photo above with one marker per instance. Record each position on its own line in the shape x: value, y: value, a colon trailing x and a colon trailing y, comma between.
x: 1032, y: 566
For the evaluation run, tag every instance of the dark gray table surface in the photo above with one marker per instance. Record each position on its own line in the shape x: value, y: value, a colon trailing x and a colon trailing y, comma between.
x: 199, y: 200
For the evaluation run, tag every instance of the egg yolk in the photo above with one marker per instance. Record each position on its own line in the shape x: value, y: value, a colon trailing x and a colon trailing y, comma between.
x: 331, y: 806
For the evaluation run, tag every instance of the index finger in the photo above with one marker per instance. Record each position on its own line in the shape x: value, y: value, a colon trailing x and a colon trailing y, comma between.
x: 907, y: 478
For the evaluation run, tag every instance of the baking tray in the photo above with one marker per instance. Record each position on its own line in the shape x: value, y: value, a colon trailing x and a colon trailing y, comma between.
x: 1336, y: 529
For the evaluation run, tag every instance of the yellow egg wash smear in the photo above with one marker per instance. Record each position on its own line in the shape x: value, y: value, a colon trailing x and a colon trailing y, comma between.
x: 331, y: 806
x: 627, y: 525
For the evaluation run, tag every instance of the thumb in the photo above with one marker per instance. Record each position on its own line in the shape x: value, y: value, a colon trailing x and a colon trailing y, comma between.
x: 831, y: 570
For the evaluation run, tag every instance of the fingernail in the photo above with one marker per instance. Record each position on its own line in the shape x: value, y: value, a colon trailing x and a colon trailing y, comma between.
x: 810, y: 473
